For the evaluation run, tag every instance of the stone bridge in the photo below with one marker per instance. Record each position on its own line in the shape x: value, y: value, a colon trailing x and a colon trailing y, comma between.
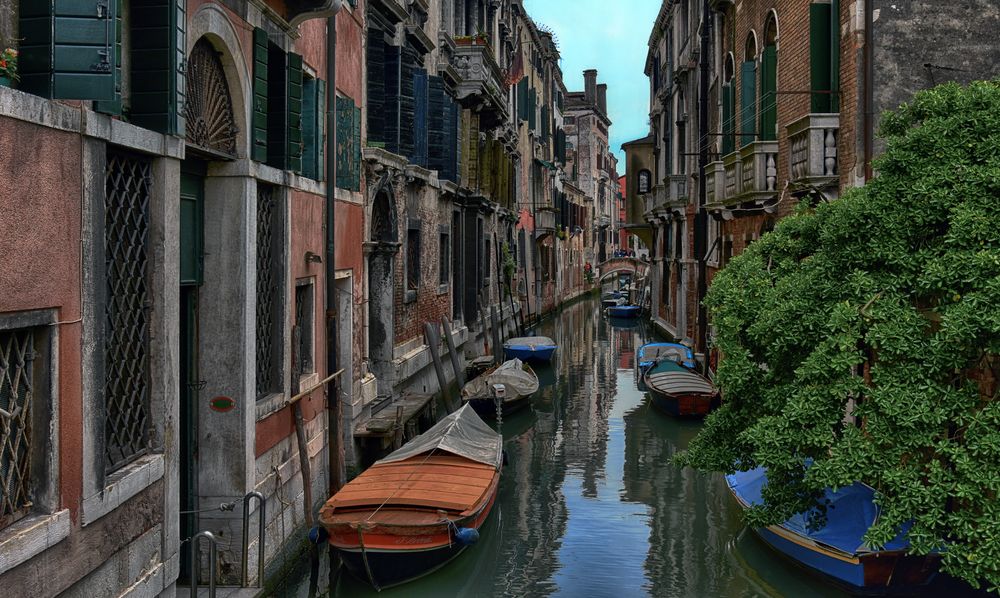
x: 622, y: 265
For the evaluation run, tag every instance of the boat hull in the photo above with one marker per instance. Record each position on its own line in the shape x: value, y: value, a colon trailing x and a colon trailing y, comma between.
x: 682, y: 405
x: 397, y: 567
x: 529, y: 354
x: 624, y: 311
x: 487, y: 407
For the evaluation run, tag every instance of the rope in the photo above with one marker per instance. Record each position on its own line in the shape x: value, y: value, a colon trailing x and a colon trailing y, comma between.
x: 400, y: 485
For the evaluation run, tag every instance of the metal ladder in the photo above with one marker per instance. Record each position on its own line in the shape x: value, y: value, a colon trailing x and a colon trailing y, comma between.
x: 213, y: 548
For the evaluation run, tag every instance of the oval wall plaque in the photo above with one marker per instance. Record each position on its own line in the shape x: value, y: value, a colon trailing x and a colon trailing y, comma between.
x: 222, y: 404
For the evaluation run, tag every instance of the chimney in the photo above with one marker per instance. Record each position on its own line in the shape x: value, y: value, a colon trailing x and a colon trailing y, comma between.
x: 590, y: 86
x: 602, y: 98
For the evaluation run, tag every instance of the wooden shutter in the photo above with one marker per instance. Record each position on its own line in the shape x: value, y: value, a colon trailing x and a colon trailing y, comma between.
x: 391, y: 108
x: 436, y: 112
x: 321, y: 130
x: 728, y: 116
x: 420, y: 117
x: 819, y: 56
x: 277, y: 107
x: 258, y: 141
x: 407, y: 102
x: 356, y: 148
x: 114, y: 106
x: 545, y: 124
x: 310, y: 129
x: 157, y: 85
x: 294, y: 102
x: 522, y: 99
x: 345, y: 142
x: 68, y: 49
x: 375, y: 57
x: 532, y: 109
x: 748, y: 101
x: 768, y: 95
x: 449, y: 170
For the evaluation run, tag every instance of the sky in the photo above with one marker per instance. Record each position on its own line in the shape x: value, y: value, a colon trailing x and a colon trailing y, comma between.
x: 610, y: 37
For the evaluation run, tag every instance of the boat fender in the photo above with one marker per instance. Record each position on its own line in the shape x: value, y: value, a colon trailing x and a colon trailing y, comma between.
x: 318, y: 535
x: 466, y: 536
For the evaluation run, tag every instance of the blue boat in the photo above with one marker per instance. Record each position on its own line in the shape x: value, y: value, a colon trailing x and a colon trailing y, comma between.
x: 647, y: 355
x: 624, y: 311
x: 534, y: 349
x: 612, y: 298
x: 836, y: 551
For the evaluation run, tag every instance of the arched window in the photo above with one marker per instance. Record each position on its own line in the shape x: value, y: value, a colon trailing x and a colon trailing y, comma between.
x: 769, y: 81
x: 748, y: 91
x: 728, y: 105
x: 644, y: 182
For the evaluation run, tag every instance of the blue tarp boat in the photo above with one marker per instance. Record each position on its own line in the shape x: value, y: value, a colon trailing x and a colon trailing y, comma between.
x: 624, y: 311
x: 837, y: 550
x: 530, y: 348
x: 650, y: 353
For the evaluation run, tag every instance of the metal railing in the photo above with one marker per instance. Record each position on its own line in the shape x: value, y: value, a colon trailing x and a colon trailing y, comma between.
x: 261, y: 522
x: 213, y: 548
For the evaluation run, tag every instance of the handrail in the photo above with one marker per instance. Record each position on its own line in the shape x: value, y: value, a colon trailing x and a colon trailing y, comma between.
x: 261, y: 522
x: 313, y: 388
x: 212, y: 557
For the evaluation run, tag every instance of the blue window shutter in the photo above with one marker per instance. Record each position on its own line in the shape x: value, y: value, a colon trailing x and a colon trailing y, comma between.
x: 258, y: 148
x: 68, y: 49
x: 420, y: 117
x: 376, y: 68
x: 294, y: 103
x: 748, y: 101
x: 436, y: 113
x: 407, y: 102
x: 390, y: 104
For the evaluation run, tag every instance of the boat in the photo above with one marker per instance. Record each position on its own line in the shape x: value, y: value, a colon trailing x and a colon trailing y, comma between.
x: 624, y: 311
x: 530, y: 348
x: 649, y: 354
x: 678, y: 390
x: 611, y: 298
x: 836, y: 551
x: 516, y: 381
x: 418, y: 508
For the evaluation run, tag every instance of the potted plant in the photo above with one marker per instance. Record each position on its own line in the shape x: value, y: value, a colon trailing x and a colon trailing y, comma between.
x: 8, y: 67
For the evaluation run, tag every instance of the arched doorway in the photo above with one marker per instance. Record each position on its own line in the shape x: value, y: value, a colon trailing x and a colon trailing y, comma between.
x: 381, y: 285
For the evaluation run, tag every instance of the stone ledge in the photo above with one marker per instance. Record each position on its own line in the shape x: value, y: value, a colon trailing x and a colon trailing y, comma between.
x: 122, y: 485
x: 31, y: 536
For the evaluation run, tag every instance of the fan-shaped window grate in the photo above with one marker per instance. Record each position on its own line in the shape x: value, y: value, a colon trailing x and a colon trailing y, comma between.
x: 211, y: 122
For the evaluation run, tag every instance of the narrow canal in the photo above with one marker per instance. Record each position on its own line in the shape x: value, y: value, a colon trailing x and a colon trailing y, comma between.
x: 589, y: 505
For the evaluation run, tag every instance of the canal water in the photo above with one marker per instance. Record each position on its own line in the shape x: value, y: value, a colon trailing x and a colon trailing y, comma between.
x: 589, y: 504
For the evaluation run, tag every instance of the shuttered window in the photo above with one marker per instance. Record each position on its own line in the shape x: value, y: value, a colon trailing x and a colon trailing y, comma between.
x: 313, y: 119
x: 421, y: 100
x: 819, y: 57
x: 522, y: 99
x: 545, y: 124
x: 294, y: 113
x: 768, y: 94
x: 258, y: 142
x: 437, y: 112
x: 375, y: 65
x: 532, y: 109
x: 277, y: 98
x: 748, y: 101
x: 728, y: 119
x: 348, y: 119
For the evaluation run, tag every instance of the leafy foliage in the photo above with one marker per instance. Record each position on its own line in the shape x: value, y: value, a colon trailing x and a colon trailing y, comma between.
x: 862, y: 336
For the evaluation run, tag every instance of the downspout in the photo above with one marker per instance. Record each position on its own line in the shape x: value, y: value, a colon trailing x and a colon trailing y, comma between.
x: 701, y: 218
x: 333, y: 432
x: 869, y: 100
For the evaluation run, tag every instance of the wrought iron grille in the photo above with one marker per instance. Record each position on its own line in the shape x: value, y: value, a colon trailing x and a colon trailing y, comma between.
x: 268, y: 231
x: 16, y: 356
x: 126, y: 361
x: 208, y: 107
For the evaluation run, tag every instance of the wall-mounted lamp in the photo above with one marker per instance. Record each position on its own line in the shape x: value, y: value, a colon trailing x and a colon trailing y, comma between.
x: 312, y: 258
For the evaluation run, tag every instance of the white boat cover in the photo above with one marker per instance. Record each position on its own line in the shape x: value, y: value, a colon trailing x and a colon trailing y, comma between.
x: 530, y: 341
x: 518, y: 382
x: 462, y: 433
x: 674, y: 379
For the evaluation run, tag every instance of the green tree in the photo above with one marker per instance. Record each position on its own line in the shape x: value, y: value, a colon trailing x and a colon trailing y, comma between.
x: 863, y: 335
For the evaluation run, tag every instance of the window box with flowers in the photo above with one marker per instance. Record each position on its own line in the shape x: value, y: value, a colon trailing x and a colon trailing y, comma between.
x: 8, y: 67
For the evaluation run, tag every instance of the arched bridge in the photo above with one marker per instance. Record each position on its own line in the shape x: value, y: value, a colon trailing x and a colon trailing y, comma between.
x: 623, y: 265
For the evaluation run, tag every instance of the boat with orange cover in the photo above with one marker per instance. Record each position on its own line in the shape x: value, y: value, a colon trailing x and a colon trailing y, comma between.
x: 415, y: 510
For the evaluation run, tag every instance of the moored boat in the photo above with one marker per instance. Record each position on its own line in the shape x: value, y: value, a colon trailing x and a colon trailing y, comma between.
x: 517, y: 382
x: 612, y: 298
x: 624, y: 311
x: 649, y: 354
x: 530, y: 348
x: 678, y: 390
x: 421, y: 506
x: 836, y: 550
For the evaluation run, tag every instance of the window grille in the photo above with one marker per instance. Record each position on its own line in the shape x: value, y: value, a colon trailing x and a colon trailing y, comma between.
x: 304, y: 327
x: 126, y: 334
x: 444, y: 258
x: 268, y: 289
x: 16, y: 395
x: 413, y: 258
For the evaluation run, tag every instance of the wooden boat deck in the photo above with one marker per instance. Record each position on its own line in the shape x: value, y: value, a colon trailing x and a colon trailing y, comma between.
x: 445, y: 482
x: 680, y: 383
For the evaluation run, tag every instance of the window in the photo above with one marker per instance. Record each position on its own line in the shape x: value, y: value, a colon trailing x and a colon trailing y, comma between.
x: 444, y: 257
x: 769, y: 82
x: 20, y: 368
x: 277, y: 107
x: 748, y: 91
x: 270, y: 267
x: 413, y: 257
x: 313, y: 119
x: 304, y: 332
x: 126, y: 316
x: 728, y: 106
x: 348, y: 144
x: 645, y: 178
x: 824, y: 55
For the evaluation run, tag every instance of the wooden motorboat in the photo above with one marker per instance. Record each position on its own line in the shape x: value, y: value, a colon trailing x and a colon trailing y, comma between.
x: 680, y: 391
x: 649, y: 354
x: 624, y: 311
x: 421, y: 506
x: 530, y: 348
x: 512, y: 383
x: 836, y: 551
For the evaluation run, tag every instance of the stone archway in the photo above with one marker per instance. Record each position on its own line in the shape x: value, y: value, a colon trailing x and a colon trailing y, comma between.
x: 382, y: 250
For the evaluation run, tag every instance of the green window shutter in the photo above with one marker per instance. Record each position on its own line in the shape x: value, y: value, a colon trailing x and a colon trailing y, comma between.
x: 522, y: 99
x: 819, y: 56
x: 728, y: 116
x: 768, y: 94
x: 748, y: 101
x: 345, y: 139
x: 294, y: 103
x: 158, y: 51
x: 545, y: 123
x: 532, y: 106
x: 310, y: 121
x: 277, y: 107
x: 356, y: 147
x: 69, y: 49
x: 320, y: 130
x: 115, y: 106
x: 258, y: 150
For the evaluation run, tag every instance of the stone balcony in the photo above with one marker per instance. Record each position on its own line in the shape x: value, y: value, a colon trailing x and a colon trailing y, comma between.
x: 678, y: 190
x: 751, y: 174
x: 812, y: 155
x: 545, y: 221
x: 482, y: 80
x: 715, y: 182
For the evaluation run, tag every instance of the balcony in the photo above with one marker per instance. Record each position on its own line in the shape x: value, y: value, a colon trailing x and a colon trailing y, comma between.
x: 545, y: 222
x: 715, y: 182
x: 751, y: 174
x: 812, y: 157
x: 678, y: 190
x: 482, y: 80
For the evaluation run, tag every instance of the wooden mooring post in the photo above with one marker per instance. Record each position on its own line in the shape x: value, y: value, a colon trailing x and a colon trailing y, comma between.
x: 453, y: 352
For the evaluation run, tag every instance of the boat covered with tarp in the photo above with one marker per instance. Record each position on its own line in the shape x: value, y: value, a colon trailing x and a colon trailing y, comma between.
x: 834, y: 546
x: 530, y: 348
x: 418, y: 508
x: 679, y: 390
x: 624, y: 311
x: 651, y: 353
x: 512, y: 383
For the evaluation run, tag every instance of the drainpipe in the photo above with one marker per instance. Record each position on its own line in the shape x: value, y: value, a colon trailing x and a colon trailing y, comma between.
x: 333, y: 433
x: 869, y: 100
x: 701, y: 218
